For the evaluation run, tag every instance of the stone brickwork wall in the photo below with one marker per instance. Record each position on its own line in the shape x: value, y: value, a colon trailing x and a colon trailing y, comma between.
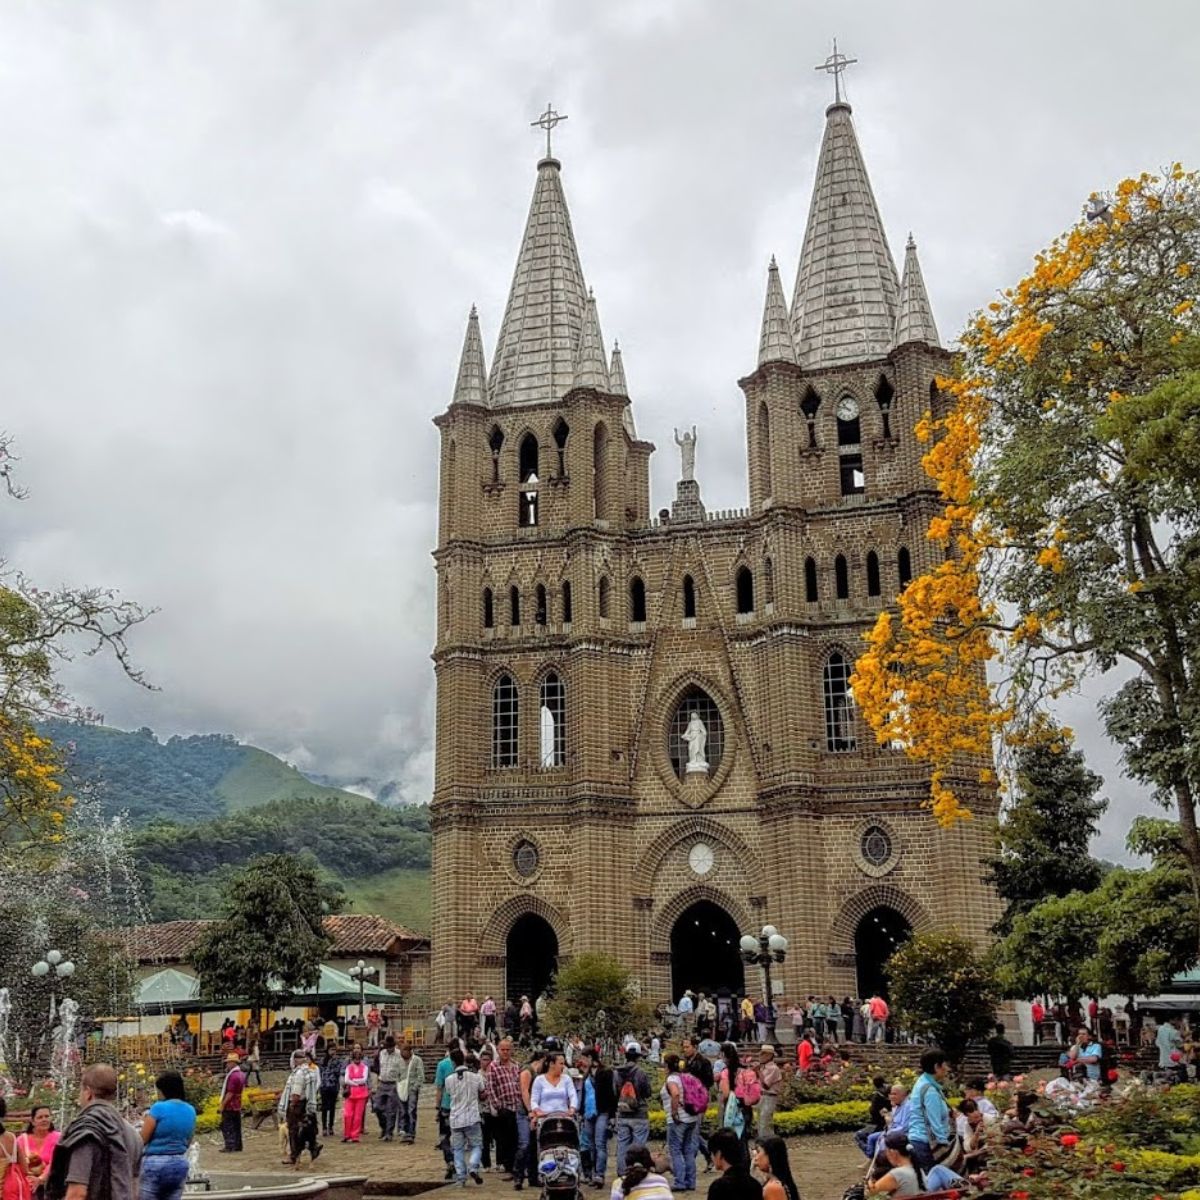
x: 614, y: 825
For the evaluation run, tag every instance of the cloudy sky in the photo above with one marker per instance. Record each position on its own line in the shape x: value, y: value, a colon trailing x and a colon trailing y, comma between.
x: 238, y: 244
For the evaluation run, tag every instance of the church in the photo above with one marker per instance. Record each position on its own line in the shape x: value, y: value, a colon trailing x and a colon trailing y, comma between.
x: 671, y: 757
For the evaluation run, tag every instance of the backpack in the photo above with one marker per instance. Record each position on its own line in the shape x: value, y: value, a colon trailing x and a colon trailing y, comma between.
x: 628, y: 1101
x: 748, y: 1088
x: 695, y: 1094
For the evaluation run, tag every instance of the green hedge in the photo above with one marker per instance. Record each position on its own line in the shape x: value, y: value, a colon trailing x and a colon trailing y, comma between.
x: 807, y: 1118
x: 1164, y: 1169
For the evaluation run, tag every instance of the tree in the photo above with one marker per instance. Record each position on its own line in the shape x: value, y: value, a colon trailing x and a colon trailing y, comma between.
x: 1128, y: 936
x: 1044, y: 835
x: 1070, y: 533
x: 271, y: 941
x: 595, y: 996
x: 942, y: 991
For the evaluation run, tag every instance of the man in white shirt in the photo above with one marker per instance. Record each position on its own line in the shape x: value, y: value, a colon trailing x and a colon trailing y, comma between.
x: 464, y: 1086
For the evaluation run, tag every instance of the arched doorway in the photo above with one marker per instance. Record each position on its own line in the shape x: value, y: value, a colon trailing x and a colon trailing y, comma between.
x: 704, y: 951
x: 530, y: 957
x: 881, y: 931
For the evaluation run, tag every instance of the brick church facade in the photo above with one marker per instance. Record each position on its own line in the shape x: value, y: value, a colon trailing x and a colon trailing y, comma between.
x: 578, y: 633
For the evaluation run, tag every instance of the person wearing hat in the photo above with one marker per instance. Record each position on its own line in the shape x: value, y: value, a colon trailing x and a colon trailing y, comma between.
x: 633, y: 1105
x: 231, y: 1105
x: 771, y: 1079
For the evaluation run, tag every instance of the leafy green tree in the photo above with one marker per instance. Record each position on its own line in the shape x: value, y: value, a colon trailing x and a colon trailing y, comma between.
x: 1044, y: 834
x: 594, y: 995
x: 942, y: 990
x: 270, y: 943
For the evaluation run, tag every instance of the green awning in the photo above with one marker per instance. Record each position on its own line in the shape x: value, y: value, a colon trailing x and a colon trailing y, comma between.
x: 169, y: 991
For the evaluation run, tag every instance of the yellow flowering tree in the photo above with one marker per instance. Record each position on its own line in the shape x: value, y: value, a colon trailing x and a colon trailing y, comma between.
x: 1065, y: 450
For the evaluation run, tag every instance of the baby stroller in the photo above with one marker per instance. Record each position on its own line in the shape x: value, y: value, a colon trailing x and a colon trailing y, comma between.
x: 559, y: 1163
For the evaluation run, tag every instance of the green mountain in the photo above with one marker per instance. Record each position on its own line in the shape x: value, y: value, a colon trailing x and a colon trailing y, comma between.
x: 201, y: 807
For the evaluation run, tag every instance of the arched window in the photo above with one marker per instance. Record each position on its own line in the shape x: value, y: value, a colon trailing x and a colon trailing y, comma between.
x: 904, y: 567
x: 812, y: 592
x: 566, y: 602
x: 489, y: 610
x: 841, y: 577
x: 849, y: 438
x: 504, y: 722
x: 552, y: 722
x: 872, y: 573
x: 527, y: 472
x: 884, y: 394
x: 561, y: 432
x: 540, y: 616
x: 689, y: 598
x: 764, y: 448
x: 809, y: 406
x: 745, y: 590
x: 514, y: 606
x: 600, y: 471
x: 839, y: 704
x: 496, y: 444
x: 768, y: 580
x: 637, y: 599
x: 602, y: 597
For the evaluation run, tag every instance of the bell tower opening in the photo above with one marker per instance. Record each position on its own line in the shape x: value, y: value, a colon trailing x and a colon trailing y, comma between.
x: 704, y: 952
x: 880, y: 933
x: 530, y: 957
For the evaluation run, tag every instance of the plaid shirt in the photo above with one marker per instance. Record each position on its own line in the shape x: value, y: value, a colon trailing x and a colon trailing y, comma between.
x: 503, y: 1086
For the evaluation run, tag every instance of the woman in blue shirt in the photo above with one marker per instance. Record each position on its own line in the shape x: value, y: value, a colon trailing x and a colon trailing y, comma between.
x: 166, y: 1133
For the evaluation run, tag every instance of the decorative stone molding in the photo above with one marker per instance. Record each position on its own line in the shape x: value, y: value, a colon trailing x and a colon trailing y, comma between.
x: 877, y: 848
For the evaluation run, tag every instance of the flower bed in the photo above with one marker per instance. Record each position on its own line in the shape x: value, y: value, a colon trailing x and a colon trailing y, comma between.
x: 807, y: 1118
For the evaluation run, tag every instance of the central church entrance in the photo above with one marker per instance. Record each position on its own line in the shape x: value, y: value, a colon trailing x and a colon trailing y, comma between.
x: 880, y: 933
x: 530, y: 957
x: 704, y: 952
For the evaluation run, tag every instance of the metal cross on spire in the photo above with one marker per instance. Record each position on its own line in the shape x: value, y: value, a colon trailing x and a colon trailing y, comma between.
x: 834, y: 65
x: 547, y: 121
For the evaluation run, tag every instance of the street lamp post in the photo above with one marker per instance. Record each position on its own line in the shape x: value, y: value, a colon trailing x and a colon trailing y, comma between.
x: 767, y: 947
x: 361, y: 972
x: 54, y: 967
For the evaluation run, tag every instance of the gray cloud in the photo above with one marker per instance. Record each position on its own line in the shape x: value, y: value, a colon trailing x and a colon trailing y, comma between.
x: 238, y: 246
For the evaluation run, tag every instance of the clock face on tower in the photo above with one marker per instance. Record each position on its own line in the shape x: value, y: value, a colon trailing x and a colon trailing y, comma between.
x: 700, y: 858
x: 847, y: 409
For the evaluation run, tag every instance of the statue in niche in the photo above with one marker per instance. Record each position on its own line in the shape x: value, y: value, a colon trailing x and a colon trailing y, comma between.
x: 687, y: 452
x: 696, y: 737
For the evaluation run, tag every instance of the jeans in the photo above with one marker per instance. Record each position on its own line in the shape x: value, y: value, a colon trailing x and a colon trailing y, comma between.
x: 231, y: 1130
x: 406, y: 1118
x: 631, y: 1131
x: 682, y: 1140
x: 463, y: 1141
x: 387, y: 1102
x: 922, y: 1155
x: 766, y: 1115
x: 596, y: 1129
x: 875, y: 1029
x: 162, y: 1177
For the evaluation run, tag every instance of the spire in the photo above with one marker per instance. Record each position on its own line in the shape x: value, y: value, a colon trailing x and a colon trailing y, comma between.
x: 616, y: 373
x: 471, y: 385
x: 775, y: 342
x: 914, y: 318
x: 844, y: 305
x: 590, y: 368
x: 535, y: 351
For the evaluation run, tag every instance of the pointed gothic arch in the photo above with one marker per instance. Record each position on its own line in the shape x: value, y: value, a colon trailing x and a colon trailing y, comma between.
x: 450, y: 490
x: 885, y: 394
x: 873, y: 582
x: 903, y: 567
x: 764, y: 448
x: 514, y: 606
x: 637, y: 600
x: 562, y: 431
x: 495, y: 445
x: 841, y: 578
x: 810, y: 406
x: 812, y: 587
x: 602, y: 591
x: 838, y: 702
x: 600, y: 471
x: 489, y: 609
x: 689, y: 598
x: 506, y: 712
x: 552, y: 719
x: 744, y: 590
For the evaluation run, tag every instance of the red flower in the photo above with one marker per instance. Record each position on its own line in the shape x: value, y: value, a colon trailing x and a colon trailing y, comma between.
x: 1113, y: 1076
x: 1019, y: 1195
x: 1069, y: 1139
x: 1118, y: 1166
x: 1029, y: 1171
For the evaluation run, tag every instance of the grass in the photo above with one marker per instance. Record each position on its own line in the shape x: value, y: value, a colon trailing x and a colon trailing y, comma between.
x: 261, y: 778
x: 401, y: 894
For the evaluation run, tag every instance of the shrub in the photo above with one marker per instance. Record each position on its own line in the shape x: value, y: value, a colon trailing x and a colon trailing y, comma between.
x: 808, y: 1118
x: 208, y: 1116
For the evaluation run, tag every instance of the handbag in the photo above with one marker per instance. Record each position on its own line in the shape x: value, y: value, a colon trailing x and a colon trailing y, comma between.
x: 734, y: 1118
x: 945, y: 1154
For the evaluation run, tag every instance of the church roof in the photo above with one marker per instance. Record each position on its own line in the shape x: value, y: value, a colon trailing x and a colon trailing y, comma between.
x: 775, y: 342
x: 471, y: 385
x: 591, y: 369
x: 914, y: 320
x: 845, y: 303
x: 539, y: 337
x: 616, y: 373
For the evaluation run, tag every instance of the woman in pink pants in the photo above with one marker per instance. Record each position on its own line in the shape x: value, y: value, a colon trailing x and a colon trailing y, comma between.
x: 357, y: 1091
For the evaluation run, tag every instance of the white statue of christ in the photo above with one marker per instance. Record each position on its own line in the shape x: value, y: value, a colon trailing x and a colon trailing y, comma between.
x: 696, y: 737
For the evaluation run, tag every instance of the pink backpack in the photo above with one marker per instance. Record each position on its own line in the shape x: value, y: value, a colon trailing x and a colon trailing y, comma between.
x: 749, y: 1087
x: 695, y: 1094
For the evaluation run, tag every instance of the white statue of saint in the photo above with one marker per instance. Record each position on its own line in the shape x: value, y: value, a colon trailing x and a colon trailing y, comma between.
x: 687, y: 452
x: 696, y: 737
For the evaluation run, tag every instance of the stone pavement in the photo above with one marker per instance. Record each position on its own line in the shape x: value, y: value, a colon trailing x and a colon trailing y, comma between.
x: 824, y: 1166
